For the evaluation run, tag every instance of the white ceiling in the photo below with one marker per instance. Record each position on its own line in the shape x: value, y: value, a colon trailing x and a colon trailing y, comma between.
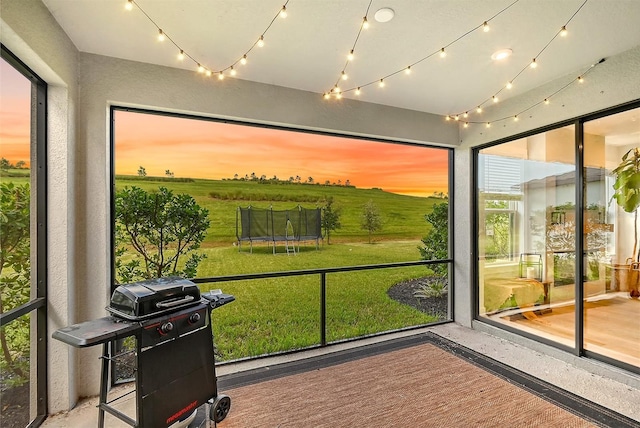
x: 307, y: 50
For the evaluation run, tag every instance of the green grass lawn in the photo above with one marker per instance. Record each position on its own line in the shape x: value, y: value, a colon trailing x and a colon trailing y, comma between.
x: 280, y: 314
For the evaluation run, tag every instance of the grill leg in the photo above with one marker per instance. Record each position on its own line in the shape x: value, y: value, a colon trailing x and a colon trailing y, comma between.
x: 104, y: 383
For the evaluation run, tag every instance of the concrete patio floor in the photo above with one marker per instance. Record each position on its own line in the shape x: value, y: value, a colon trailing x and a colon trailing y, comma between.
x: 600, y: 383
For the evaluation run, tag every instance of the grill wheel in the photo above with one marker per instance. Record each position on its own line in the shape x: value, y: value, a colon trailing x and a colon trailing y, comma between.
x: 220, y: 408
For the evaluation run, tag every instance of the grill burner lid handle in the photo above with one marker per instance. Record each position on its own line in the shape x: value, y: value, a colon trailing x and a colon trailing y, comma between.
x: 172, y: 303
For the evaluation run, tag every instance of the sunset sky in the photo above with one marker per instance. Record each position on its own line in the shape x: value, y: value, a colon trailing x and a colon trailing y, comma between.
x: 15, y: 112
x: 216, y: 150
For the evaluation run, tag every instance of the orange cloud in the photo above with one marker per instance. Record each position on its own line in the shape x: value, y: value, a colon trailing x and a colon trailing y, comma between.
x: 215, y: 150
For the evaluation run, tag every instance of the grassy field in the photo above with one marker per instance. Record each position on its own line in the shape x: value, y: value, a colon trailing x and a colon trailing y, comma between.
x: 272, y: 315
x: 402, y: 216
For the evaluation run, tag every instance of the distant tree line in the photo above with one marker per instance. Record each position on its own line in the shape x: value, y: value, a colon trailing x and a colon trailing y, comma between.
x: 291, y: 180
x: 6, y: 165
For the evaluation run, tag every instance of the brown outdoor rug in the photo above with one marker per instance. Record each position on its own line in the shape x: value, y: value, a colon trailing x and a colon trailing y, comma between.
x: 434, y: 383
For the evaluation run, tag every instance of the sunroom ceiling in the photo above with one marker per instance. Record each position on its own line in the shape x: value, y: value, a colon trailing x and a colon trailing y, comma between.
x: 308, y: 49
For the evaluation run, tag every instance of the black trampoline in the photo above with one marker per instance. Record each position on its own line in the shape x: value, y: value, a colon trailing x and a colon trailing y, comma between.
x: 287, y: 226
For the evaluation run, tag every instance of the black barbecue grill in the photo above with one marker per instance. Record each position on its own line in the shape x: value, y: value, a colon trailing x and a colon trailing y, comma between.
x: 171, y: 322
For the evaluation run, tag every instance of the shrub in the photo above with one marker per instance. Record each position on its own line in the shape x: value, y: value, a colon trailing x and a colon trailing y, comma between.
x: 436, y: 287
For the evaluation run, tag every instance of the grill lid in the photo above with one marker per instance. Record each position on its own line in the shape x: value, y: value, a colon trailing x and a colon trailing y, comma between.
x: 150, y: 298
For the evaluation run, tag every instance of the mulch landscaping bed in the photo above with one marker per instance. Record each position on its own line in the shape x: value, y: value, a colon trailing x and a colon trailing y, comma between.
x: 15, y: 407
x: 403, y: 292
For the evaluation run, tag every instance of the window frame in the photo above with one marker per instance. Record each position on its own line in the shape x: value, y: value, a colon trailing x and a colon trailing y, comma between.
x: 39, y: 303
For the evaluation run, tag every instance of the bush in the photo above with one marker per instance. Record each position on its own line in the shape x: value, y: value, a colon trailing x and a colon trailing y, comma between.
x: 161, y: 228
x: 434, y: 288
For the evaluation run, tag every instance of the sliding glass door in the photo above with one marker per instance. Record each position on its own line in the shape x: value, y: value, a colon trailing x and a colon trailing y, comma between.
x: 526, y: 234
x: 612, y: 195
x: 550, y: 205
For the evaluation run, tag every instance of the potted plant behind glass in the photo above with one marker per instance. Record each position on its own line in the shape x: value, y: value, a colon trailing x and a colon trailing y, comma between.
x: 627, y: 196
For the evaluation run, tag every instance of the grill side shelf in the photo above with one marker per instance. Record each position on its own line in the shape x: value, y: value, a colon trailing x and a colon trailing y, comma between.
x: 95, y: 332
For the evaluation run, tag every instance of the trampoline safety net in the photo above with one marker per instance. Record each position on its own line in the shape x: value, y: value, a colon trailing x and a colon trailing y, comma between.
x: 288, y: 226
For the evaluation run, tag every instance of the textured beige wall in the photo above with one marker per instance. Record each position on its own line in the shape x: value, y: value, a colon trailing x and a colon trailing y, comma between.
x: 30, y: 32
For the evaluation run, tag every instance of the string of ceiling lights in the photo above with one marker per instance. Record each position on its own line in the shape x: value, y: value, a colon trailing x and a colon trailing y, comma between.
x: 546, y: 100
x: 337, y: 92
x: 350, y: 56
x: 442, y: 52
x: 562, y: 32
x: 202, y: 68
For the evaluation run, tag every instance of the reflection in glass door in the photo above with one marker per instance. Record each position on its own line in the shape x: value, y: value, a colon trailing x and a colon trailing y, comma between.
x: 611, y: 277
x: 526, y: 234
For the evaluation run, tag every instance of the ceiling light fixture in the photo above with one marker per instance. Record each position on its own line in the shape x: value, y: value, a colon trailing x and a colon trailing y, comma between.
x: 485, y: 26
x: 385, y: 14
x: 128, y: 5
x: 501, y: 54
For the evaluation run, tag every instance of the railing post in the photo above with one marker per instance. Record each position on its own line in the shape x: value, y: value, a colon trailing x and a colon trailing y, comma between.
x: 323, y: 309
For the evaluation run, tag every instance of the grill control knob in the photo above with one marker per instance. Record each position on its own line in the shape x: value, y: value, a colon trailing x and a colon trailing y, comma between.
x: 166, y: 327
x: 194, y: 318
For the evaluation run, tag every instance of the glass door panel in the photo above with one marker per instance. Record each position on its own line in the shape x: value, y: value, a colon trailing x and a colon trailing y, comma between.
x: 611, y: 304
x: 526, y: 234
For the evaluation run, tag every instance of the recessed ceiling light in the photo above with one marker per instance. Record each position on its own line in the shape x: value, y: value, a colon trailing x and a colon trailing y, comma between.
x: 385, y: 14
x: 501, y: 54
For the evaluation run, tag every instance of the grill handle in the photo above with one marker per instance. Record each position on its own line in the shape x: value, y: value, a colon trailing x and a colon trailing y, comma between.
x: 173, y: 303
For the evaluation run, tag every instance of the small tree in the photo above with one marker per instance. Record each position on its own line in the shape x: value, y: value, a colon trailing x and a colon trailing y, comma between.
x: 168, y: 173
x: 161, y: 228
x: 436, y: 242
x: 330, y: 218
x: 5, y: 164
x: 21, y: 164
x: 15, y: 276
x: 142, y: 172
x: 371, y: 220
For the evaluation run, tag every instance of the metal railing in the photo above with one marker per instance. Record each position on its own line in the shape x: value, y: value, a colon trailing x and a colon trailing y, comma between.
x: 322, y: 274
